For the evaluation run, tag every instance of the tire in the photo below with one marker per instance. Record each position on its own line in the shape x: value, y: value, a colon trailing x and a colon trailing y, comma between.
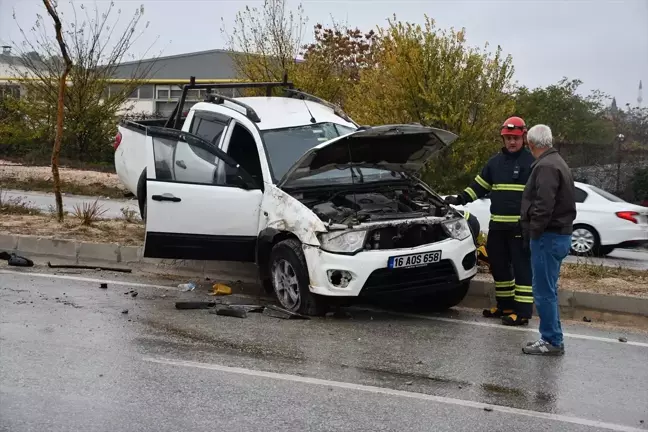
x: 585, y: 242
x: 290, y: 281
x: 141, y: 195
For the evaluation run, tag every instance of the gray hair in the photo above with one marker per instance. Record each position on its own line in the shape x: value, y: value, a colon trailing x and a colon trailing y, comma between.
x: 540, y: 136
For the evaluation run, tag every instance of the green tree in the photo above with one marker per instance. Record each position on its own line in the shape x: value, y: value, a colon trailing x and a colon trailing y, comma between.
x: 573, y: 119
x: 425, y: 75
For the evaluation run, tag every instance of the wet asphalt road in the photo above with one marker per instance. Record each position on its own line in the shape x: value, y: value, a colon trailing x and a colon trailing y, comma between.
x: 71, y: 361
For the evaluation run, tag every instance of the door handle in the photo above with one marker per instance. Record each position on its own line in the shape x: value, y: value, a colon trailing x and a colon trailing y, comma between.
x: 166, y: 197
x: 181, y: 164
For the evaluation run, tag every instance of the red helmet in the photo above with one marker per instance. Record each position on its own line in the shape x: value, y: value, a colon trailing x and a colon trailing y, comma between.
x: 513, y: 126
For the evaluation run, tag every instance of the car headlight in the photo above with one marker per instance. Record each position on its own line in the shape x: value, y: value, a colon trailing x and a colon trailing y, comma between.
x: 457, y: 229
x: 343, y: 241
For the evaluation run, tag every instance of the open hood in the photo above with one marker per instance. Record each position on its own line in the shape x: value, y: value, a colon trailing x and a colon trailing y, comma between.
x: 402, y: 148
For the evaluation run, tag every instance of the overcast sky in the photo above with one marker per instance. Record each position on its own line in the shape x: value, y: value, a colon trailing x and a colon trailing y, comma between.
x: 604, y: 43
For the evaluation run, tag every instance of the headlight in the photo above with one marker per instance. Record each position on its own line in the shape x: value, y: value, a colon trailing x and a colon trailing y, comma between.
x: 458, y: 229
x: 343, y: 241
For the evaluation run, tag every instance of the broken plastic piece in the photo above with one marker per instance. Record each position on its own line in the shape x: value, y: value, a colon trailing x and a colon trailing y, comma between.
x: 103, y: 285
x: 221, y: 289
x: 187, y: 287
x: 18, y: 261
x: 277, y: 312
x: 232, y: 311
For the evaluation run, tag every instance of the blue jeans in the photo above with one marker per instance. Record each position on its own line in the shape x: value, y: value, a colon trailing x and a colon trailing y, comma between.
x: 547, y: 254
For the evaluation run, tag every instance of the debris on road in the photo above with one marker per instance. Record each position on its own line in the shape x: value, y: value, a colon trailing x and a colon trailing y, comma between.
x: 17, y: 260
x: 187, y: 287
x: 134, y: 294
x: 623, y: 339
x: 220, y: 289
x: 187, y: 305
x: 277, y: 312
x: 125, y: 311
x: 488, y: 409
x: 249, y: 308
x: 89, y: 267
x: 409, y: 383
x: 232, y: 311
x: 585, y: 319
x: 103, y: 285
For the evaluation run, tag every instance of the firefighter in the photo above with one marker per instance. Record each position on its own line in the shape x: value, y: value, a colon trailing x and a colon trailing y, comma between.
x: 504, y: 177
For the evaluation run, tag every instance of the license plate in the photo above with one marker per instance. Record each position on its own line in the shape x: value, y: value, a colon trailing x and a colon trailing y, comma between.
x: 414, y: 260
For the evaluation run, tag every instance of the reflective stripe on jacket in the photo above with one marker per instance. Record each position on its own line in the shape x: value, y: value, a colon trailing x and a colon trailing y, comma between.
x: 503, y: 178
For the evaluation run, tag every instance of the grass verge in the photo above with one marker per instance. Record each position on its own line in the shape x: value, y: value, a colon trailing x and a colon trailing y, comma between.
x: 117, y: 231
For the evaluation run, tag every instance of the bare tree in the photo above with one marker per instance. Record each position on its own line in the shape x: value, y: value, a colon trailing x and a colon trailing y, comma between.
x: 91, y: 45
x: 266, y: 43
x: 56, y: 151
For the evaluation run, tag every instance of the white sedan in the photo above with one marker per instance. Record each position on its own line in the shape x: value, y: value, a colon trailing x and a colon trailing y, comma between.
x: 603, y: 222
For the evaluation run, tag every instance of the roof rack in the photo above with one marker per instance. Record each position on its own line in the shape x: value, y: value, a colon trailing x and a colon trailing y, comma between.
x: 220, y: 99
x: 176, y: 117
x: 290, y: 92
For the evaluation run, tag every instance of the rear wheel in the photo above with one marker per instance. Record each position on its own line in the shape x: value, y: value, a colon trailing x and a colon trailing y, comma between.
x: 290, y: 281
x: 585, y: 241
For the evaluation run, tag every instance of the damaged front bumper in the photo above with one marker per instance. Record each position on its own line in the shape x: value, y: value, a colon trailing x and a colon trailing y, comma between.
x: 367, y: 273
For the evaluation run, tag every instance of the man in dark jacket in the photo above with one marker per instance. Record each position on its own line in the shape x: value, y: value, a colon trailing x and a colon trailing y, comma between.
x: 504, y: 177
x: 548, y: 213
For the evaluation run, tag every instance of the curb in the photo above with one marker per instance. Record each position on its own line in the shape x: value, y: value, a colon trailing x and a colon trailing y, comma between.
x: 482, y: 292
x: 480, y: 295
x: 42, y: 249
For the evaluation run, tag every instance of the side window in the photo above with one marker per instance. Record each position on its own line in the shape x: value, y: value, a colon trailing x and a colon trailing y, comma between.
x: 243, y: 149
x: 177, y: 160
x: 581, y: 195
x: 209, y: 129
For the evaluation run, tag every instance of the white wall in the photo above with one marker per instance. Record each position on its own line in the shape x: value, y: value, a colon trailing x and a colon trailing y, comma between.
x: 137, y: 106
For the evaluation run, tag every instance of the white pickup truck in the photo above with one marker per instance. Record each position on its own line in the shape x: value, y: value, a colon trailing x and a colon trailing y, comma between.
x: 325, y: 208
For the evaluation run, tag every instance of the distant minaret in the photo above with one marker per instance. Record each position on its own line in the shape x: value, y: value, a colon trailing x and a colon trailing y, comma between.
x: 640, y: 95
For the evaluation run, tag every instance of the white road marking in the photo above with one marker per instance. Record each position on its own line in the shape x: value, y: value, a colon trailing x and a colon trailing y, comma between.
x: 392, y: 392
x: 406, y: 315
x: 502, y: 327
x: 85, y: 279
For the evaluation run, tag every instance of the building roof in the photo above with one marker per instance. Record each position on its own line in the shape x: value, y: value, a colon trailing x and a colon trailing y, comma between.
x: 211, y: 64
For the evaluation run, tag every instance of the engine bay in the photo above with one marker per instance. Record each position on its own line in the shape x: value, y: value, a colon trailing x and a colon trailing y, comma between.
x: 350, y: 207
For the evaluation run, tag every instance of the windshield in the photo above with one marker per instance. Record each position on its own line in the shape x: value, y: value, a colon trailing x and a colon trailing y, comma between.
x: 347, y: 175
x: 607, y: 195
x: 285, y: 146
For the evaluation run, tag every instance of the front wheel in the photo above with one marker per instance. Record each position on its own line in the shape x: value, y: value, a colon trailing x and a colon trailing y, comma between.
x: 290, y: 281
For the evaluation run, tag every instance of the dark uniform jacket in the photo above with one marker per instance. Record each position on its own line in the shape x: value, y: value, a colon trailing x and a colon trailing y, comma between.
x: 504, y: 177
x: 549, y: 200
